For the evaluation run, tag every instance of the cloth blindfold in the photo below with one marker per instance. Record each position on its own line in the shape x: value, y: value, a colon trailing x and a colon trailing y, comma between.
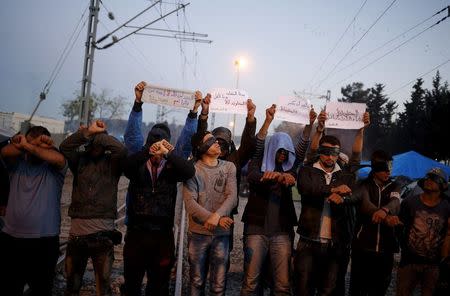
x: 382, y: 166
x: 206, y: 145
x: 329, y: 151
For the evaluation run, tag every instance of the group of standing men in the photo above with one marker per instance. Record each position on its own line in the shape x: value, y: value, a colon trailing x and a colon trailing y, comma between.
x: 340, y: 219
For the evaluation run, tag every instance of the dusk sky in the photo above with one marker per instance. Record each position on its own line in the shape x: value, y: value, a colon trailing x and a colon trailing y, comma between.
x: 284, y: 43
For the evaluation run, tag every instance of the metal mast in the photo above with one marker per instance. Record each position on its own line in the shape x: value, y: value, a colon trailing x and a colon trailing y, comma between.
x: 88, y: 62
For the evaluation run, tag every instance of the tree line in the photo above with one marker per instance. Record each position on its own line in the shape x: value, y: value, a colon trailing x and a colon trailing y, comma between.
x: 420, y: 126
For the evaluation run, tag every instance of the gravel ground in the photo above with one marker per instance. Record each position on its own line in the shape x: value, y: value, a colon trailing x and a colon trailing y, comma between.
x: 235, y: 275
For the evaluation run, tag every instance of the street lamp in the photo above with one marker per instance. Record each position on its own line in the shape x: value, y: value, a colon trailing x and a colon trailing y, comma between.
x: 241, y: 62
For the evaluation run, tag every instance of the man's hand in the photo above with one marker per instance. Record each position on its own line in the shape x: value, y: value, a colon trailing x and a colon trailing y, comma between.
x: 341, y: 189
x: 335, y: 198
x: 138, y: 90
x: 212, y: 222
x: 45, y: 141
x: 2, y: 211
x: 167, y: 145
x: 198, y: 101
x: 251, y: 108
x: 286, y: 179
x: 205, y: 104
x: 312, y: 116
x: 158, y: 148
x: 366, y: 119
x: 270, y: 176
x: 392, y: 221
x: 321, y: 120
x: 96, y: 127
x: 270, y: 113
x: 379, y: 216
x: 19, y: 141
x: 225, y: 222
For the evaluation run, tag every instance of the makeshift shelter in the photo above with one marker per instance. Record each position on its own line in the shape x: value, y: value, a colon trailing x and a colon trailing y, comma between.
x: 410, y: 164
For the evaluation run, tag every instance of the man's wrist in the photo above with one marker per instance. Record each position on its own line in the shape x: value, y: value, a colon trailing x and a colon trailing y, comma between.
x: 385, y: 210
x: 137, y: 106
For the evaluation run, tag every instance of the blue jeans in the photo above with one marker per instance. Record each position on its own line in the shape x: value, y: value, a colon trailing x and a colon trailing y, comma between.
x: 101, y: 250
x: 207, y: 252
x: 316, y: 267
x: 256, y: 249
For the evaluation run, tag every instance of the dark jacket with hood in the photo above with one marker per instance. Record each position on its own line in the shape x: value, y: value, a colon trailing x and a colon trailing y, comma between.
x: 260, y: 192
x: 151, y: 206
x: 314, y: 191
x: 95, y: 179
x: 370, y: 236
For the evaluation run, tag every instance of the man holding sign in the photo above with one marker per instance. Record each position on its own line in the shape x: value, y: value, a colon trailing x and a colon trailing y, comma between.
x: 239, y: 157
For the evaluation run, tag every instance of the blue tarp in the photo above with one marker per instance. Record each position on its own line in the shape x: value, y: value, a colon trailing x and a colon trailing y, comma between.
x: 410, y: 164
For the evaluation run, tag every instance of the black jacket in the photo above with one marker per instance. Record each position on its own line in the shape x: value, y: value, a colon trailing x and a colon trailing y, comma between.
x: 94, y: 192
x: 377, y: 237
x: 314, y: 191
x: 152, y: 206
x: 256, y: 209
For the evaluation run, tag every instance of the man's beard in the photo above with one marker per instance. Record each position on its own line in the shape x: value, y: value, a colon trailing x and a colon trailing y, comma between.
x: 327, y: 165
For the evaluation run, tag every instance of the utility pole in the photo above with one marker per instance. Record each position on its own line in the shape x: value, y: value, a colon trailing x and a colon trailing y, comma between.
x: 237, y: 63
x: 88, y: 62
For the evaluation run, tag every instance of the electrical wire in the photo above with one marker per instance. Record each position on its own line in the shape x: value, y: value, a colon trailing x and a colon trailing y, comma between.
x: 144, y: 57
x: 428, y: 72
x: 355, y: 44
x: 392, y: 50
x: 65, y: 53
x: 337, y: 42
x: 390, y: 41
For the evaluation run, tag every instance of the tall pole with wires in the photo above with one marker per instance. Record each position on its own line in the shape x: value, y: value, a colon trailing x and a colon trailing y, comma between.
x: 88, y: 62
x: 238, y: 64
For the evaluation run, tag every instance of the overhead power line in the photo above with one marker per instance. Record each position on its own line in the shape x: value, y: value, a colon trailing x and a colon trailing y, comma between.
x: 428, y: 72
x: 116, y: 40
x: 355, y: 44
x: 145, y: 59
x: 66, y: 51
x: 394, y: 49
x: 337, y: 43
x: 127, y: 22
x: 391, y: 40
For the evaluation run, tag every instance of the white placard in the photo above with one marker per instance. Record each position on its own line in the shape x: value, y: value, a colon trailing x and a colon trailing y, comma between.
x: 168, y: 96
x: 232, y: 101
x: 345, y: 115
x: 293, y: 109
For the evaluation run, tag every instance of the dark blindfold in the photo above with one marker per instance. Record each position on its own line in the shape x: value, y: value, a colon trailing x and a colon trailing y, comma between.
x: 382, y: 166
x: 329, y: 151
x: 436, y: 179
x: 206, y: 145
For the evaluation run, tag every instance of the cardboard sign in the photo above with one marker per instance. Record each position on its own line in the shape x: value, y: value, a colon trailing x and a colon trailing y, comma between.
x: 232, y: 101
x: 293, y: 109
x: 168, y: 96
x: 345, y: 115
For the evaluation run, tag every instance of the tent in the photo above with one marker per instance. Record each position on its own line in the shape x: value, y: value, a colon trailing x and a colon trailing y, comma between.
x: 410, y: 164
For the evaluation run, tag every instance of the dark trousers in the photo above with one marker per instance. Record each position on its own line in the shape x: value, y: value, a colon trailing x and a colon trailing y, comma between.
x: 150, y: 252
x: 343, y: 261
x: 100, y: 249
x: 29, y: 261
x: 316, y: 267
x: 371, y: 272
